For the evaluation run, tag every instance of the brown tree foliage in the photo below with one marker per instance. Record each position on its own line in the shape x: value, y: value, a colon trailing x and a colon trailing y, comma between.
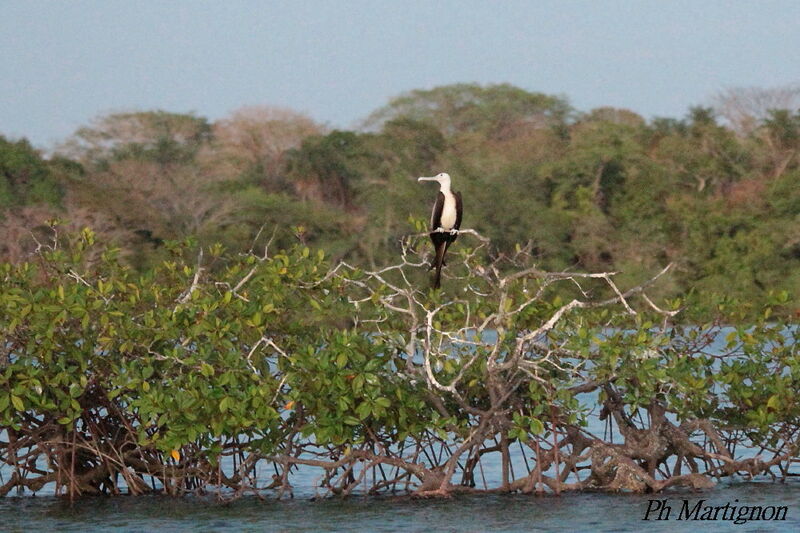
x: 745, y: 108
x: 255, y: 139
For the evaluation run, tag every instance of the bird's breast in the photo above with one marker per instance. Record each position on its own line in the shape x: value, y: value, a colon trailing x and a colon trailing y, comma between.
x: 449, y: 212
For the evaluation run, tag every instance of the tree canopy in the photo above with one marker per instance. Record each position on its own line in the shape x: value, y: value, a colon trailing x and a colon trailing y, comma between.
x: 602, y: 189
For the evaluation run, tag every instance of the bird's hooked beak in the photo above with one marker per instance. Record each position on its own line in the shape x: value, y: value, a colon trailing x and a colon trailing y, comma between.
x: 427, y: 179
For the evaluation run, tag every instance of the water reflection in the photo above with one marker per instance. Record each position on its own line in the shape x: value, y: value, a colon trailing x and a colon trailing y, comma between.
x: 576, y: 512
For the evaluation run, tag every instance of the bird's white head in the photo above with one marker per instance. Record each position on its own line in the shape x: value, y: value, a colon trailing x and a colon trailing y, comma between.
x: 443, y: 178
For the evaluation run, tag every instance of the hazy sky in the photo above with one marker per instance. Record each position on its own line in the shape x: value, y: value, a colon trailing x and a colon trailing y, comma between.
x: 63, y: 63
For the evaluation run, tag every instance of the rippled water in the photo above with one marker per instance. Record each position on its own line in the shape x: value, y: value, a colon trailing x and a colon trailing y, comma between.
x: 573, y: 512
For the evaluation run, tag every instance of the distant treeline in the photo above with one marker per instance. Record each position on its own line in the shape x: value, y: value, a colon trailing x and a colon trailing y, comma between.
x: 717, y: 192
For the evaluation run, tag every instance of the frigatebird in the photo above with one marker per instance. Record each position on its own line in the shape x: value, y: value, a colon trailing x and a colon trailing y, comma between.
x: 445, y: 221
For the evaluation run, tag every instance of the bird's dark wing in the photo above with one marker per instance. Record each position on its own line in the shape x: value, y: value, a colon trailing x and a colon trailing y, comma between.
x: 436, y: 216
x: 459, y: 210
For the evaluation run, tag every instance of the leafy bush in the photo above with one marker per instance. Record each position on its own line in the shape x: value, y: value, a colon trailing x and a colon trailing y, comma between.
x: 195, y: 372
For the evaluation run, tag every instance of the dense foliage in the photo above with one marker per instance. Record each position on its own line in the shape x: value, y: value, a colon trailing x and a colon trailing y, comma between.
x: 597, y: 190
x: 212, y: 367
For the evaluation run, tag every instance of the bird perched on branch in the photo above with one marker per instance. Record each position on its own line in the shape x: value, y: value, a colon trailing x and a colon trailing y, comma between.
x: 445, y: 221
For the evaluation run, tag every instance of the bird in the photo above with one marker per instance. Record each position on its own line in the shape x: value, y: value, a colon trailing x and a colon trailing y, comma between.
x: 445, y: 221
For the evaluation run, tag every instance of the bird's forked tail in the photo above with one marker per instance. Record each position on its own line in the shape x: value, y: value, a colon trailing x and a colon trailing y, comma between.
x: 438, y: 262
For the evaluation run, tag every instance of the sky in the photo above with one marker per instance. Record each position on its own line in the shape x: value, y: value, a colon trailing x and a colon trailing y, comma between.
x: 64, y: 63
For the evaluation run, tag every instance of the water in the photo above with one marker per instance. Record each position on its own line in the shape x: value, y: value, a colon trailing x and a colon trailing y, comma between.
x: 571, y: 512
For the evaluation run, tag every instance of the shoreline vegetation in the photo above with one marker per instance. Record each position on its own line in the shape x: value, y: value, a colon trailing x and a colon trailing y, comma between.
x: 643, y: 271
x: 197, y: 375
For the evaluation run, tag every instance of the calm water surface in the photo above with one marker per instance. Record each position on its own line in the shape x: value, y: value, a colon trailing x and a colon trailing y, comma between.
x: 574, y: 512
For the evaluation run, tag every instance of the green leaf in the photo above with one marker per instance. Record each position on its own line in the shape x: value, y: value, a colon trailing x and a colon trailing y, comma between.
x: 363, y: 410
x: 16, y: 401
x: 206, y: 369
x: 224, y: 405
x: 774, y: 402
